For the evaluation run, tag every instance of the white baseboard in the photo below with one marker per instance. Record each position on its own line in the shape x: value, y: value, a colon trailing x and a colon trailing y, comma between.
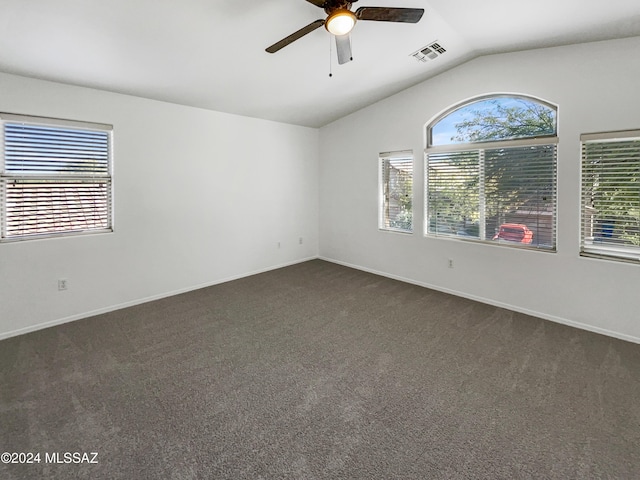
x: 488, y: 301
x: 111, y: 308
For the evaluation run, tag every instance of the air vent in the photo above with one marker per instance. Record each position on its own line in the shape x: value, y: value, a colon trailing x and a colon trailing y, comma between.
x: 430, y: 52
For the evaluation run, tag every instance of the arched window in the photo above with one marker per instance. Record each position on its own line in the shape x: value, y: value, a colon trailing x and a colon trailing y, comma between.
x: 491, y: 172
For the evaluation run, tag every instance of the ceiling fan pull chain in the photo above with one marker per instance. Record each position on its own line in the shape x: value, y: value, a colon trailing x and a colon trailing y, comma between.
x: 330, y: 41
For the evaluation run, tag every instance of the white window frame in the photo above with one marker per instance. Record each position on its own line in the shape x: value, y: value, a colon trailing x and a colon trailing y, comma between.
x: 403, y: 158
x: 481, y: 147
x: 590, y: 246
x: 56, y: 173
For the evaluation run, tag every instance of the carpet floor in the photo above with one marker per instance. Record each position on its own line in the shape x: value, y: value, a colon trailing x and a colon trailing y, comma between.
x: 318, y: 371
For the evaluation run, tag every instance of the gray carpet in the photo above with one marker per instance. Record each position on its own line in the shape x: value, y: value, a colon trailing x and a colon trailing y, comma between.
x: 317, y: 371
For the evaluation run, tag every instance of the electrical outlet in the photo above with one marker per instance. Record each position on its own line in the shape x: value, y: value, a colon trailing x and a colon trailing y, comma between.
x: 300, y: 241
x: 451, y: 263
x: 62, y: 284
x: 278, y: 244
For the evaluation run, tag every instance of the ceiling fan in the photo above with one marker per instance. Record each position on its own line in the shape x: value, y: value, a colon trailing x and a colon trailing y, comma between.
x: 341, y: 20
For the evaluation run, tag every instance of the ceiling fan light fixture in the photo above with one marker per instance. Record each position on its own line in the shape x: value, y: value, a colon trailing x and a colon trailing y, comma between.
x: 340, y: 22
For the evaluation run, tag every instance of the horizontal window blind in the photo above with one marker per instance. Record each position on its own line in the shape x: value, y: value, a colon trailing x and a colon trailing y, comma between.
x: 58, y: 151
x: 481, y: 194
x: 396, y: 191
x: 610, y: 191
x: 55, y: 179
x: 453, y: 192
x: 520, y: 189
x: 40, y: 207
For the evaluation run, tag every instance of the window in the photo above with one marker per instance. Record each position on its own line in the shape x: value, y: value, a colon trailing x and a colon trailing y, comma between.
x: 611, y: 195
x: 396, y: 195
x: 55, y: 177
x: 491, y: 172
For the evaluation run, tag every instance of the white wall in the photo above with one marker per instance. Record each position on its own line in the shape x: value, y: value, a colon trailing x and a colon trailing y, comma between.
x: 200, y: 197
x: 596, y: 88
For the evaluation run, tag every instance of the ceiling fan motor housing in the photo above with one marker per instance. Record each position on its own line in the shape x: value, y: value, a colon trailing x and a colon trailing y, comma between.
x: 332, y: 5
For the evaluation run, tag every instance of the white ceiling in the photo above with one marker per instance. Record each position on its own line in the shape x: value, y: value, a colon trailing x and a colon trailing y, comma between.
x: 210, y: 53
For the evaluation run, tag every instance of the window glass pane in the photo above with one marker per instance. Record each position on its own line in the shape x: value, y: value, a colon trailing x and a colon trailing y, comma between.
x: 497, y: 118
x: 39, y: 207
x: 453, y: 186
x: 520, y: 195
x: 396, y: 193
x: 611, y: 198
x: 55, y: 150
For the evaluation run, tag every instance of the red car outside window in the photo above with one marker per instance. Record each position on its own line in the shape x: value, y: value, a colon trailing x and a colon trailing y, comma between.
x: 514, y: 232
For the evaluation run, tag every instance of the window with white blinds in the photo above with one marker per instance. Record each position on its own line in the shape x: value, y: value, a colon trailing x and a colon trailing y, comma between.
x: 55, y: 177
x: 491, y: 171
x: 396, y: 191
x: 610, y: 191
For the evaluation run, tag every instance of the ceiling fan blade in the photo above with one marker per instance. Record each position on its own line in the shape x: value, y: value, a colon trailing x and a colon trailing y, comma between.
x: 318, y: 3
x: 295, y: 36
x: 343, y: 47
x: 385, y: 14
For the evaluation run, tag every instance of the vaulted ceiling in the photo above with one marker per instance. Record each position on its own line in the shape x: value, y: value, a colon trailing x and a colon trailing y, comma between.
x: 211, y: 53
